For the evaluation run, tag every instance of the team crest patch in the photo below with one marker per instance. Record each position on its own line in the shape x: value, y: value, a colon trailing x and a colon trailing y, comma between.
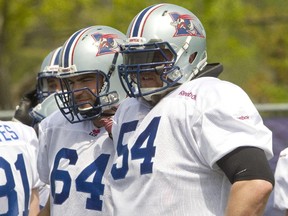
x: 106, y: 43
x: 94, y: 132
x: 184, y: 25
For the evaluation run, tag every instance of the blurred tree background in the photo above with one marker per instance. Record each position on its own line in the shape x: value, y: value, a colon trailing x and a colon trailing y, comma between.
x: 248, y: 37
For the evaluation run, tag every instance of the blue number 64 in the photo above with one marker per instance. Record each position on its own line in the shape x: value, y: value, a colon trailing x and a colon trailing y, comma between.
x: 94, y: 187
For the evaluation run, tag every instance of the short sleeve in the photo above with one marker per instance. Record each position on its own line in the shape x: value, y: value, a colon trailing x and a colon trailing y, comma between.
x: 230, y: 120
x: 42, y: 160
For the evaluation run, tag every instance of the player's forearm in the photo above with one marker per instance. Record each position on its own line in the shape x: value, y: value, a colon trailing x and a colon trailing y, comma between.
x: 286, y: 212
x: 34, y: 204
x: 248, y: 198
x: 46, y: 210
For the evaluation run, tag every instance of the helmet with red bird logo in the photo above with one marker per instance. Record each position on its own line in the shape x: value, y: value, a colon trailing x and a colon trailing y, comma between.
x: 92, y: 50
x: 166, y: 39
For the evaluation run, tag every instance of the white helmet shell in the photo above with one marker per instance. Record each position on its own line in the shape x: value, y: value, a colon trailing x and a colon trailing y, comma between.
x: 92, y: 50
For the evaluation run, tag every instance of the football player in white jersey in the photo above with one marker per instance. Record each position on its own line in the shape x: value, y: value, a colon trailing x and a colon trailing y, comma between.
x: 187, y: 143
x: 47, y: 83
x: 39, y: 103
x: 281, y: 182
x: 19, y: 180
x: 76, y: 150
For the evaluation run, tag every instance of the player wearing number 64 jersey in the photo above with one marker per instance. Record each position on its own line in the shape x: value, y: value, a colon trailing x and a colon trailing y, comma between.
x: 74, y: 160
x: 19, y: 180
x: 76, y: 150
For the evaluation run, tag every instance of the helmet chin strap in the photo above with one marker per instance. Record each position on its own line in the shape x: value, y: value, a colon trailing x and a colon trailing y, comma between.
x: 110, y: 72
x: 183, y: 48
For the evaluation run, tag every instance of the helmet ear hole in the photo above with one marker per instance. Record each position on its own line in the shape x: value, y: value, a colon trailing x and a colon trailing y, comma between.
x: 192, y: 57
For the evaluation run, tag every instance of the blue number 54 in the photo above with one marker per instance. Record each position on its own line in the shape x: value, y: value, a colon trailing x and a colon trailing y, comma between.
x: 138, y: 151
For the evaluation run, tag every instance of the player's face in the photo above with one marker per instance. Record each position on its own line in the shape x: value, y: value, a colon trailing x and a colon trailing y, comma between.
x: 53, y: 84
x: 151, y: 78
x: 85, y: 85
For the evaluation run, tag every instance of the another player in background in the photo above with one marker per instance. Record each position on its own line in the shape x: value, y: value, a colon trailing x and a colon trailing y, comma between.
x: 75, y: 149
x: 187, y: 142
x: 281, y: 182
x: 40, y: 103
x: 19, y: 180
x: 47, y: 83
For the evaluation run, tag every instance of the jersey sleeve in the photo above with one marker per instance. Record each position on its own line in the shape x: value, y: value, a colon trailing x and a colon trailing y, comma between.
x: 281, y: 181
x: 42, y: 160
x: 34, y: 146
x: 230, y: 120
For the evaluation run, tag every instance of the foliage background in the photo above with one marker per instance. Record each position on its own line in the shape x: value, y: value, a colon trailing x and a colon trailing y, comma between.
x: 248, y: 37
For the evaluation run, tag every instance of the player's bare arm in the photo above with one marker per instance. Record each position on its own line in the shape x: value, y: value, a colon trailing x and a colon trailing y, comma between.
x: 248, y: 198
x: 252, y: 181
x: 46, y: 210
x: 34, y: 204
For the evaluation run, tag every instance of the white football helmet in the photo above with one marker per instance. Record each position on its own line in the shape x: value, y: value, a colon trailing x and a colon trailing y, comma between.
x: 166, y: 39
x: 49, y: 69
x: 92, y: 50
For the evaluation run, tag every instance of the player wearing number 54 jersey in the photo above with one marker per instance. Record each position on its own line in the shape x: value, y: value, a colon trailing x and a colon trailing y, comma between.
x: 76, y: 151
x: 187, y: 143
x: 19, y: 179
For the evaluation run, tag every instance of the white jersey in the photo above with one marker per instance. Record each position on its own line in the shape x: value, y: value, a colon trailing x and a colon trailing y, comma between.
x: 18, y: 168
x: 166, y: 155
x: 281, y: 181
x: 75, y: 159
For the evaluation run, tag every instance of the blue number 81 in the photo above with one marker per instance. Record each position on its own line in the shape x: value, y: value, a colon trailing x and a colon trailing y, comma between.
x: 8, y: 189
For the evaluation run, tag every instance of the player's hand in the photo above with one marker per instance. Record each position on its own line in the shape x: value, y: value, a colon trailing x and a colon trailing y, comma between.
x: 107, y: 122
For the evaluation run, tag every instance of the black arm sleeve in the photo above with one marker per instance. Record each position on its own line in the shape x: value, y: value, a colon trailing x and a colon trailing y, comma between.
x: 246, y: 163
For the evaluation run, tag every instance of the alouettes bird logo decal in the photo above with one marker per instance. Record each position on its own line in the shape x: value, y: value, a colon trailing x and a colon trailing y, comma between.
x: 106, y: 43
x: 184, y: 25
